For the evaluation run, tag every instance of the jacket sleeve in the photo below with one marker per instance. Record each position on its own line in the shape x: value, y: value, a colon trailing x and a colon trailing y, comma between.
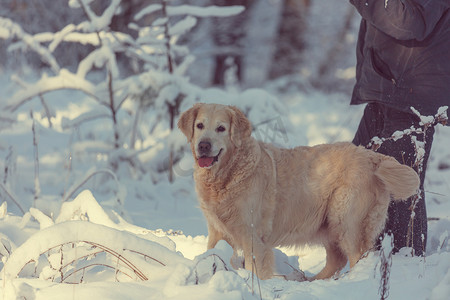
x: 403, y: 19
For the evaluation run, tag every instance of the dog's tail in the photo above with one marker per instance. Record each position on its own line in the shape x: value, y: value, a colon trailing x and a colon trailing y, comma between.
x: 400, y: 180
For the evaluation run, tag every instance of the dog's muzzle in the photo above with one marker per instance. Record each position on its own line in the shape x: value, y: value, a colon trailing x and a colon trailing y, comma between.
x: 205, y: 160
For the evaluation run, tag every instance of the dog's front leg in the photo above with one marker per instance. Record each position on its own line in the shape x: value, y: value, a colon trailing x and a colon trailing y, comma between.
x: 259, y: 258
x: 213, y: 236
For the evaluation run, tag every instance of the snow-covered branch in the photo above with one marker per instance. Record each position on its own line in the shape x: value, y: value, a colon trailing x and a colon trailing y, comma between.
x: 98, y: 23
x: 439, y: 118
x: 9, y: 29
x: 195, y: 11
x: 83, y: 118
x: 64, y: 80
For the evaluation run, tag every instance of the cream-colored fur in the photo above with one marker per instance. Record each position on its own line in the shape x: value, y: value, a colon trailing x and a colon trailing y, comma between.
x: 336, y: 195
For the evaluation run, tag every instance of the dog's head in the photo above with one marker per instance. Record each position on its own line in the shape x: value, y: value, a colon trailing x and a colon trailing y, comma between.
x: 214, y: 131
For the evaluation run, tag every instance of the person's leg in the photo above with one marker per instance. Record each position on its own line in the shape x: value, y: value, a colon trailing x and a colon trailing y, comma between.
x: 371, y: 125
x: 404, y: 150
x: 383, y: 122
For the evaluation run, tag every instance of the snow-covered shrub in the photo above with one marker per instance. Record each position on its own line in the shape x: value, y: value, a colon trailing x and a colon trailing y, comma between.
x: 83, y: 241
x: 129, y: 85
x: 69, y: 251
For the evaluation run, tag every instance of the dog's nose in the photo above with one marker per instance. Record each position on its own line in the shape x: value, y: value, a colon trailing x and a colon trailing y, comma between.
x: 204, y: 147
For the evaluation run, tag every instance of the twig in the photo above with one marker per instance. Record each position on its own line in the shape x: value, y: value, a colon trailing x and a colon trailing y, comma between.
x: 10, y: 164
x: 113, y: 109
x: 121, y: 258
x: 146, y: 256
x: 37, y: 185
x: 134, y: 129
x: 10, y: 196
x: 80, y: 258
x: 47, y: 111
x: 385, y: 266
x: 167, y: 37
x: 129, y: 264
x: 90, y: 266
x: 74, y: 189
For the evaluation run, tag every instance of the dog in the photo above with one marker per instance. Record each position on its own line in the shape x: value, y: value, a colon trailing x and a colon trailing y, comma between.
x: 257, y: 196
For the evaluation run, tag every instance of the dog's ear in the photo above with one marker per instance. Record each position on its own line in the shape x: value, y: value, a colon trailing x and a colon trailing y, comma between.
x: 240, y: 126
x: 187, y: 119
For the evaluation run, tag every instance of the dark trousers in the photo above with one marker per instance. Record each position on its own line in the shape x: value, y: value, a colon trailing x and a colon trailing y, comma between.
x: 381, y: 121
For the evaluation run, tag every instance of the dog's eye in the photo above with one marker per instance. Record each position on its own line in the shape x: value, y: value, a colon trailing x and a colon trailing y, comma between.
x: 220, y: 129
x: 200, y: 126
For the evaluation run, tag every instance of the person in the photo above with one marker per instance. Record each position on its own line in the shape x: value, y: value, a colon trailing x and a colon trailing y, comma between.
x: 403, y: 61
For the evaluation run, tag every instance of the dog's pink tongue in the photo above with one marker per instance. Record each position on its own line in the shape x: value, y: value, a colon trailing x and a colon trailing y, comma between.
x: 204, y: 162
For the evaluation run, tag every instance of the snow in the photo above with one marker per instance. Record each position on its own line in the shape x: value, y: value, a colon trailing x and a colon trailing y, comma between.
x: 183, y: 26
x: 121, y: 233
x: 442, y: 290
x: 147, y: 11
x: 442, y: 110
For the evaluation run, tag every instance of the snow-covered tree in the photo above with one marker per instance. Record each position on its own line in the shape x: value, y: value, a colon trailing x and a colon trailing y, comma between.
x: 127, y: 71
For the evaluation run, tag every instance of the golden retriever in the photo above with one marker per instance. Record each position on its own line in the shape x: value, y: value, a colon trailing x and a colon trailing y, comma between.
x: 256, y: 196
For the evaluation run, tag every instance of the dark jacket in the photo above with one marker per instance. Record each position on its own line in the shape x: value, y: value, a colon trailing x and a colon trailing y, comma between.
x: 403, y: 54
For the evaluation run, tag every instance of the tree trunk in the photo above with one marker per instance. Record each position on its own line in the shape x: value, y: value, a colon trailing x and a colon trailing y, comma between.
x: 290, y: 40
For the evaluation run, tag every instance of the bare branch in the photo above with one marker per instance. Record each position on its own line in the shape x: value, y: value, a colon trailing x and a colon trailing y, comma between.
x: 13, y: 198
x: 37, y: 185
x: 74, y: 188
